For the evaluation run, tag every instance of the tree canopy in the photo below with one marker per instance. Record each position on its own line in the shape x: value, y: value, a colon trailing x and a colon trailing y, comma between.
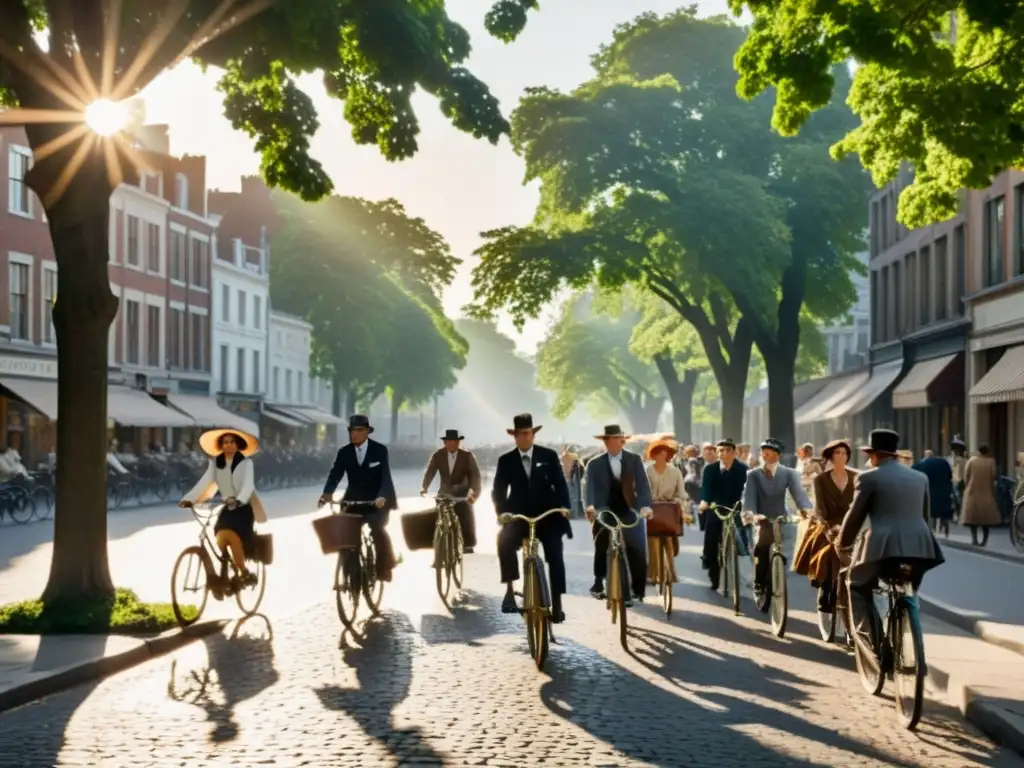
x: 939, y: 85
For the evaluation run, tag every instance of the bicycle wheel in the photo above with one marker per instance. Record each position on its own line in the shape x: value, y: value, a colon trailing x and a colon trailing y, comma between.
x: 442, y: 563
x: 666, y: 575
x: 190, y: 567
x: 780, y: 598
x: 827, y: 622
x: 1017, y: 527
x: 373, y: 587
x: 250, y: 597
x: 456, y: 553
x: 43, y: 499
x: 869, y: 670
x: 22, y: 506
x: 908, y: 664
x: 723, y: 564
x: 346, y: 586
x: 624, y: 592
x: 536, y: 614
x: 733, y: 560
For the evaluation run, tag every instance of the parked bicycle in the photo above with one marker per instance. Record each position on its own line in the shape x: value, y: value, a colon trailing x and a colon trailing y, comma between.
x: 728, y: 554
x: 16, y: 503
x: 536, y: 607
x: 448, y: 546
x: 776, y: 599
x: 205, y: 569
x: 355, y: 574
x: 619, y: 587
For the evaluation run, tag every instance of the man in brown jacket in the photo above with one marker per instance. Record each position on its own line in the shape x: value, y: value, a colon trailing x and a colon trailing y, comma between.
x: 460, y: 476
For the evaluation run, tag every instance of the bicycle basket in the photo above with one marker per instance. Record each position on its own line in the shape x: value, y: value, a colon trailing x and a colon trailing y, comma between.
x: 338, y: 532
x: 418, y: 529
x: 263, y: 549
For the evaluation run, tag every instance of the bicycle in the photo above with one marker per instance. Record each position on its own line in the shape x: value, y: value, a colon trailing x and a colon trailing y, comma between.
x: 728, y: 554
x: 16, y: 503
x: 619, y: 587
x: 356, y: 571
x: 1017, y: 524
x: 201, y: 561
x: 888, y: 657
x: 828, y: 623
x: 777, y: 601
x: 448, y: 546
x: 536, y: 610
x: 665, y: 555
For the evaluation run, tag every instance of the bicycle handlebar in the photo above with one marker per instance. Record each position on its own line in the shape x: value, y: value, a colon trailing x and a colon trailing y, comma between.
x: 505, y: 518
x: 729, y: 511
x: 598, y: 513
x: 342, y: 504
x: 446, y: 497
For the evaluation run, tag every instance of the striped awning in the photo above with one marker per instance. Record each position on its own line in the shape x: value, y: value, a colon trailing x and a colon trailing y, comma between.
x: 283, y: 418
x: 835, y: 392
x: 912, y: 392
x: 206, y: 412
x: 881, y: 379
x: 1005, y: 382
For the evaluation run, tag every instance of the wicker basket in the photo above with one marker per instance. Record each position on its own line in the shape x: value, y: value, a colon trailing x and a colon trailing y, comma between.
x: 418, y: 529
x: 338, y: 532
x: 667, y: 520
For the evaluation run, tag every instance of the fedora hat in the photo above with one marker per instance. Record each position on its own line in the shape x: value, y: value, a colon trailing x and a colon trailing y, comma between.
x: 830, y: 448
x: 521, y: 422
x: 662, y: 444
x: 248, y: 445
x: 612, y: 430
x: 359, y: 421
x: 883, y: 441
x: 452, y: 434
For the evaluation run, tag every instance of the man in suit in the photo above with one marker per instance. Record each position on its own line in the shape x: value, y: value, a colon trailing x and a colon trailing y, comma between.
x: 895, y: 499
x: 721, y: 484
x: 617, y: 480
x: 365, y: 463
x: 460, y: 476
x: 529, y: 481
x: 940, y: 489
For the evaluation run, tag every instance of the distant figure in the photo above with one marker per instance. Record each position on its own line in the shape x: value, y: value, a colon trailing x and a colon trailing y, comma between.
x: 940, y: 489
x: 929, y: 453
x: 980, y: 507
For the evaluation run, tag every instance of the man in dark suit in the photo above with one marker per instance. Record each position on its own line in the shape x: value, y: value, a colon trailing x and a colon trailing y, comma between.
x: 365, y: 463
x: 722, y: 485
x: 529, y: 481
x: 940, y: 489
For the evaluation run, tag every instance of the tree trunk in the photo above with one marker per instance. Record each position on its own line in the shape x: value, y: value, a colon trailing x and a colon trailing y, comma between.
x: 781, y: 407
x: 351, y: 398
x: 337, y: 390
x: 396, y: 406
x: 680, y: 392
x: 643, y: 411
x: 733, y: 392
x: 82, y: 315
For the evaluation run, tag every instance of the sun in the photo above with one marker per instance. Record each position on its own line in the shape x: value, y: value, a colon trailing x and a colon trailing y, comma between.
x: 106, y: 117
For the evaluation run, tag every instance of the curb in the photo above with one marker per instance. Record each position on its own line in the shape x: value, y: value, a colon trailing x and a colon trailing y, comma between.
x: 169, y: 641
x: 1003, y: 726
x: 983, y: 552
x: 980, y: 629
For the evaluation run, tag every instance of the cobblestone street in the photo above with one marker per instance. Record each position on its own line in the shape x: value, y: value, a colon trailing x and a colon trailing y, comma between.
x: 425, y: 687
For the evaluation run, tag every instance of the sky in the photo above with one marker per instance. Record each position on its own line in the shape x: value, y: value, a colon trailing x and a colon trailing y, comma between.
x: 459, y: 185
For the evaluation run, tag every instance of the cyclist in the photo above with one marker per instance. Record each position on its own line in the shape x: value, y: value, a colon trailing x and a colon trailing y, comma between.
x: 616, y: 479
x: 460, y: 476
x: 529, y: 481
x: 365, y: 463
x: 231, y: 473
x: 722, y: 485
x: 894, y: 498
x: 765, y: 496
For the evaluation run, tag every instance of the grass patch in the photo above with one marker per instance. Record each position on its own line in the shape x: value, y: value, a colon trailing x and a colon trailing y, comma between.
x: 124, y: 614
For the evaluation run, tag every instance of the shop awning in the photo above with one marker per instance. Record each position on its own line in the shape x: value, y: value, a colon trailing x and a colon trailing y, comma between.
x: 1005, y: 382
x: 912, y: 392
x: 41, y: 395
x: 880, y: 380
x: 317, y: 416
x: 275, y: 414
x: 205, y: 412
x: 835, y: 392
x: 134, y: 408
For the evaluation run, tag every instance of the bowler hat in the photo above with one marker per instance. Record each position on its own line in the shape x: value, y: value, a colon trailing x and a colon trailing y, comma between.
x: 611, y: 430
x: 452, y: 434
x: 522, y: 422
x: 359, y: 421
x: 883, y: 441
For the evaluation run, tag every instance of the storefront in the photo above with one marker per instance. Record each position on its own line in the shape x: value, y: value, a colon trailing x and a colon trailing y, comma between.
x: 812, y: 417
x: 28, y: 407
x: 867, y: 407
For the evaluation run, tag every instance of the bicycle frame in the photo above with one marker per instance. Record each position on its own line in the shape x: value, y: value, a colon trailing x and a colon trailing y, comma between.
x: 615, y: 545
x: 205, y: 515
x: 531, y: 549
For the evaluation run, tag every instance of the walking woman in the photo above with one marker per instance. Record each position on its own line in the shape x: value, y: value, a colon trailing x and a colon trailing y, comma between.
x: 666, y: 481
x: 230, y: 472
x: 980, y: 507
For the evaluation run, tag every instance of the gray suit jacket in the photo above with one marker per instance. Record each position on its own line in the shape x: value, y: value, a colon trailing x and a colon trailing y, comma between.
x: 894, y: 499
x: 635, y: 485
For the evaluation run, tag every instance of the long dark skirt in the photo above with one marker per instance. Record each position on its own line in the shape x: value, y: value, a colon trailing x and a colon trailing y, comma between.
x: 242, y: 521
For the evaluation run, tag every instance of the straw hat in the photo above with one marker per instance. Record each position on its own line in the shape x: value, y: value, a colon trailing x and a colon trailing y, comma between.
x: 249, y: 445
x: 662, y: 443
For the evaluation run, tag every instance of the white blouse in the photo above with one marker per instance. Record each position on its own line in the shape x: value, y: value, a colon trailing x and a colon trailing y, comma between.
x: 667, y: 485
x: 239, y: 484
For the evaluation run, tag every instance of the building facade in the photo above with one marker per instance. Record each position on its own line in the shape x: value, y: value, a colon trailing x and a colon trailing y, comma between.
x: 848, y: 342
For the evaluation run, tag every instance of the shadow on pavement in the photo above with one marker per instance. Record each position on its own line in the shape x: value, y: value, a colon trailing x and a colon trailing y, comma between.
x: 23, y: 745
x: 475, y: 618
x: 383, y: 667
x: 239, y: 667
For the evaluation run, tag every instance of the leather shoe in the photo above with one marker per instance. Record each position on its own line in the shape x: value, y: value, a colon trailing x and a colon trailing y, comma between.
x: 508, y: 605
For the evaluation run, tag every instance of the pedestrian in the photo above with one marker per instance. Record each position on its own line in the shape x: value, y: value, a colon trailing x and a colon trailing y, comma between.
x: 529, y: 481
x: 807, y: 466
x: 617, y: 480
x: 980, y: 509
x: 460, y: 476
x: 693, y: 472
x: 958, y: 462
x: 721, y: 485
x: 230, y: 472
x: 906, y: 458
x: 940, y: 490
x: 573, y: 471
x: 666, y: 483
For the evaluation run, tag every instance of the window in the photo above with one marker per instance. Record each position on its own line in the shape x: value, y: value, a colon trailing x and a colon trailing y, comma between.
x: 312, y: 391
x: 941, y: 278
x: 300, y: 388
x: 153, y: 247
x: 959, y: 271
x: 181, y: 191
x: 177, y: 343
x: 876, y: 303
x: 884, y: 310
x: 19, y: 275
x: 200, y: 273
x: 277, y: 383
x: 994, y: 229
x: 178, y: 266
x: 153, y: 336
x: 256, y: 370
x: 49, y: 298
x: 133, y: 241
x: 241, y: 370
x: 199, y: 361
x: 1018, y: 257
x: 875, y: 228
x: 257, y: 312
x: 288, y: 386
x: 899, y: 305
x: 885, y: 222
x: 225, y: 300
x: 19, y: 197
x: 225, y: 361
x: 911, y: 297
x: 925, y: 292
x: 133, y: 335
x: 241, y: 308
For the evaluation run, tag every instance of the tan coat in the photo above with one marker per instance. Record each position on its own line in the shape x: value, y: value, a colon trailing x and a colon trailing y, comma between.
x: 815, y: 556
x: 980, y: 506
x: 465, y: 477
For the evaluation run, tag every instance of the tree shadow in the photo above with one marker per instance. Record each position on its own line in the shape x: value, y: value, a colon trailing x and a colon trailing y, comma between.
x: 34, y: 735
x: 383, y: 667
x: 239, y: 667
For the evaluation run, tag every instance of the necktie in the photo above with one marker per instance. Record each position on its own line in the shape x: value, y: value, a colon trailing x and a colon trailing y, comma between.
x: 526, y: 463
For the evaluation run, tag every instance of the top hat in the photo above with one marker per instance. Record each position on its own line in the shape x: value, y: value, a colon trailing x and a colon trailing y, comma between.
x: 611, y: 430
x: 772, y: 444
x: 452, y: 434
x: 210, y: 442
x: 830, y: 448
x: 359, y: 421
x: 883, y: 441
x: 523, y: 421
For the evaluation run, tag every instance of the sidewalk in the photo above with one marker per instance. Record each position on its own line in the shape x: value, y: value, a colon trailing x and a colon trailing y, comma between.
x: 999, y: 545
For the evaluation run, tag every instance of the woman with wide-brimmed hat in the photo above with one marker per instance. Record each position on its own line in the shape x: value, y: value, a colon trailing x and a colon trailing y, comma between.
x: 230, y: 472
x: 666, y: 481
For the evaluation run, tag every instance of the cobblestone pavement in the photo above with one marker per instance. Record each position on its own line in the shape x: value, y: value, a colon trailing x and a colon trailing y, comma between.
x: 429, y: 688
